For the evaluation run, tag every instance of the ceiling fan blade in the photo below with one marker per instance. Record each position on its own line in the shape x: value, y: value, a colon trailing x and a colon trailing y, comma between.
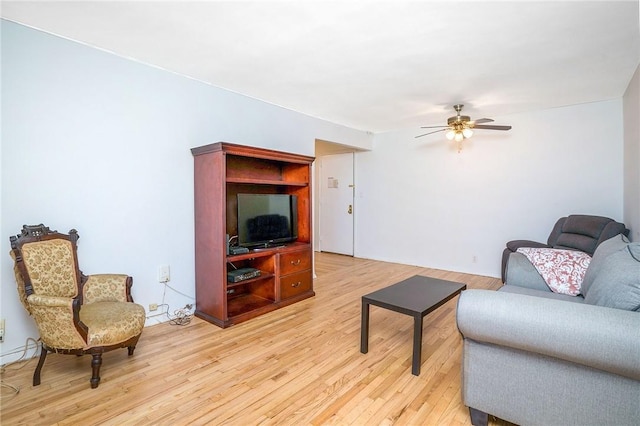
x: 431, y: 127
x: 492, y: 127
x: 482, y: 120
x: 435, y: 131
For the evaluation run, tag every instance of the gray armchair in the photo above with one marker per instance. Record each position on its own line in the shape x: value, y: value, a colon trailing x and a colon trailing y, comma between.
x: 576, y: 232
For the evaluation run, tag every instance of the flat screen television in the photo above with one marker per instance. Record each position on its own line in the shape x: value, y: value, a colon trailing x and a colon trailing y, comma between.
x: 266, y: 220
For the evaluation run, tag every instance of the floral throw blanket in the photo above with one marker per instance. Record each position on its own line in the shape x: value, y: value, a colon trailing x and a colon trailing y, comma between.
x: 562, y: 270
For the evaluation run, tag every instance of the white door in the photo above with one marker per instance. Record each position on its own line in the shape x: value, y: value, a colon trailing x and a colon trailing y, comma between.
x: 336, y: 203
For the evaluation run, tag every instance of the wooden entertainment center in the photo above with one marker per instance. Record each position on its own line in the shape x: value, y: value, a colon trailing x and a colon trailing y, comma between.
x: 222, y: 171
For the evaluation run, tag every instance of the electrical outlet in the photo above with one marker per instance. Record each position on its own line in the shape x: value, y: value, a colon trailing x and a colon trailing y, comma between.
x: 153, y: 307
x: 1, y: 330
x: 164, y: 274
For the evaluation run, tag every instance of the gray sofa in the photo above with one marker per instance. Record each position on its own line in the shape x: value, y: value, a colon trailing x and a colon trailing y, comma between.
x: 532, y: 356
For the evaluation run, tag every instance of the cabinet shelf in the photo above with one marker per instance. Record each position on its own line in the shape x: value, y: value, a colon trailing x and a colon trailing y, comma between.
x: 263, y: 276
x: 246, y: 303
x: 265, y: 182
x: 265, y: 252
x: 244, y: 256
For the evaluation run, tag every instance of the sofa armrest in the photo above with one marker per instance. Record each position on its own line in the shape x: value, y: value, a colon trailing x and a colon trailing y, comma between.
x: 521, y: 272
x: 516, y: 244
x: 41, y: 300
x: 603, y: 338
x: 512, y: 246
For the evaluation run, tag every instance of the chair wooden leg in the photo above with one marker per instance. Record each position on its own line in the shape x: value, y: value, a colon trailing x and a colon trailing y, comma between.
x: 478, y: 418
x: 96, y: 362
x: 36, y: 374
x: 130, y: 349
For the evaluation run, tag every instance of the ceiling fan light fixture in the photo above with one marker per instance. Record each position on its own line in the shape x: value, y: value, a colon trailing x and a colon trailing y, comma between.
x: 450, y: 135
x: 461, y: 127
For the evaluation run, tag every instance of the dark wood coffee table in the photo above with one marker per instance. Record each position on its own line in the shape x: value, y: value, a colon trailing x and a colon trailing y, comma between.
x: 416, y: 296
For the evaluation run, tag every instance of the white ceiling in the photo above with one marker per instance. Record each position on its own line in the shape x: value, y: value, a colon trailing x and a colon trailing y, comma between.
x: 370, y: 65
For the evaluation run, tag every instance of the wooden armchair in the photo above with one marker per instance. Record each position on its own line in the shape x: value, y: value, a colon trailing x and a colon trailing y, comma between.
x: 74, y: 313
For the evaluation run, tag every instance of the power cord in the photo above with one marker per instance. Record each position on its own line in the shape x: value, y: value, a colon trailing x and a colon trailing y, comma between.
x: 162, y: 312
x: 3, y: 367
x: 182, y: 316
x: 177, y: 291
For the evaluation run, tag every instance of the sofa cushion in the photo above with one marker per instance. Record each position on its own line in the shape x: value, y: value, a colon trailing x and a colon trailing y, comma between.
x: 581, y: 232
x: 586, y: 233
x: 603, y: 251
x: 588, y: 225
x: 617, y: 285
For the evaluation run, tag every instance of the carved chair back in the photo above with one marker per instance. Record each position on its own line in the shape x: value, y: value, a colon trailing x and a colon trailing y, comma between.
x: 47, y: 262
x: 46, y: 265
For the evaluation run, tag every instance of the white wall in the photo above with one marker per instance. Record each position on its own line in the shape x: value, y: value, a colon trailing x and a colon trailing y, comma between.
x: 100, y: 143
x: 631, y: 102
x: 420, y: 202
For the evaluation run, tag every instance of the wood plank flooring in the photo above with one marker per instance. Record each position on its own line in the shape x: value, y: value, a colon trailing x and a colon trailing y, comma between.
x: 300, y: 365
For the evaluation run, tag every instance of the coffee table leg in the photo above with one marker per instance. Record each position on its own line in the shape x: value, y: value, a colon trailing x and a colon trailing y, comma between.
x: 364, y: 328
x: 417, y: 345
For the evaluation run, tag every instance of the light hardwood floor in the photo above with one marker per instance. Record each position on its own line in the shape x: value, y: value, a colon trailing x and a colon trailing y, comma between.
x: 300, y: 365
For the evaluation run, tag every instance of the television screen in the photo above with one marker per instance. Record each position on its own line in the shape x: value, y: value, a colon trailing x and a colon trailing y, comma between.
x: 267, y: 219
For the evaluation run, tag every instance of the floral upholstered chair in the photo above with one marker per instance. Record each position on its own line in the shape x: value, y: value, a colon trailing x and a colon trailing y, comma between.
x: 74, y: 313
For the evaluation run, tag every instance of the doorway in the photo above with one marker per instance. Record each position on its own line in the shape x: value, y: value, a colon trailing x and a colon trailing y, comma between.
x: 336, y: 208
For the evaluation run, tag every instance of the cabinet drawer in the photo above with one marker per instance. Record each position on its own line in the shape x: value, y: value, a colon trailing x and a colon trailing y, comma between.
x: 295, y: 262
x: 294, y: 284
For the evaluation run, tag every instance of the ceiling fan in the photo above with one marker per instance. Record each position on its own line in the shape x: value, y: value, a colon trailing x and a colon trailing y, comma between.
x: 460, y: 127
